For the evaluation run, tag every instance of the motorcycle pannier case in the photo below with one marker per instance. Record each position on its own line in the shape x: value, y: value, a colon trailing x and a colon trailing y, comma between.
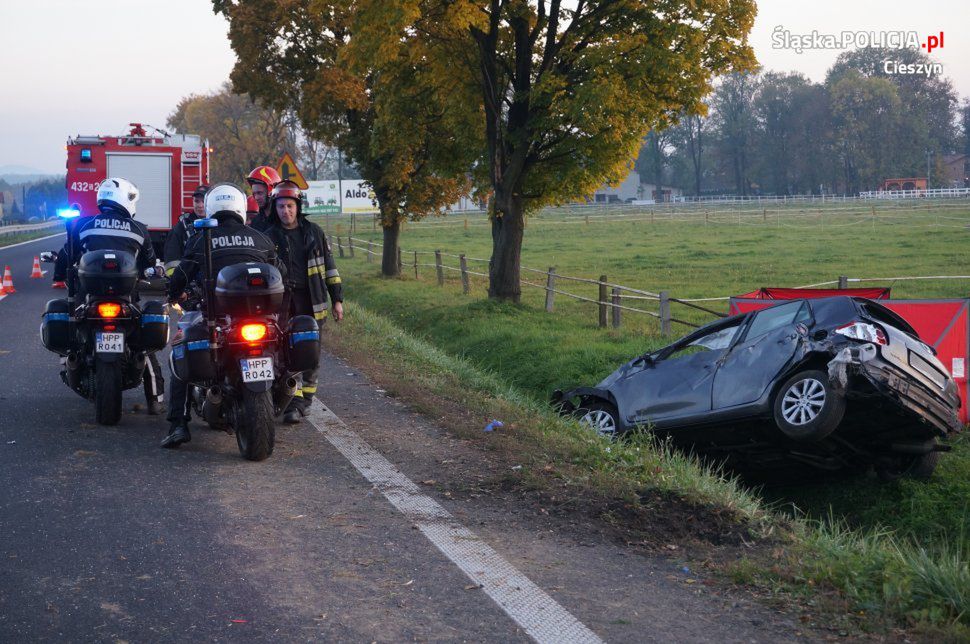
x: 249, y: 289
x: 153, y: 335
x: 191, y: 356
x: 303, y: 344
x: 107, y: 272
x: 54, y: 327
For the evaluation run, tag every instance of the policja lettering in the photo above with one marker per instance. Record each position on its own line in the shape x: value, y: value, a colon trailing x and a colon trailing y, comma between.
x: 115, y: 224
x: 232, y: 241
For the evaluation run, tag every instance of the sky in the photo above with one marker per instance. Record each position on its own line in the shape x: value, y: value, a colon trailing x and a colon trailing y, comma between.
x: 92, y: 66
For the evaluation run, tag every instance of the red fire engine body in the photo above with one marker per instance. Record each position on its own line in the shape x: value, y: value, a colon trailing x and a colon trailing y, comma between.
x: 166, y: 168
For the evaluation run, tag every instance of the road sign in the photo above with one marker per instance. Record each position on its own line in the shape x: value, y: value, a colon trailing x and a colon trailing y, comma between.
x: 289, y: 172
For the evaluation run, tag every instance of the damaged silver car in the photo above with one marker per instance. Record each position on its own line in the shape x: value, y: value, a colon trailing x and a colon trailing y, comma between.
x: 840, y: 383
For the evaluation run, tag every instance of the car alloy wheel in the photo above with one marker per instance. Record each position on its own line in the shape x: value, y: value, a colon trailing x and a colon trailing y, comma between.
x: 803, y: 401
x: 600, y: 420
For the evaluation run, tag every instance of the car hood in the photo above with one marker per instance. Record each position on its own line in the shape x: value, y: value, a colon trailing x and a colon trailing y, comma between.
x: 633, y: 366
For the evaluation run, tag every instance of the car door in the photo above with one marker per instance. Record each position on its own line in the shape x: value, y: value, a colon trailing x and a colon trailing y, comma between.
x: 768, y: 344
x: 678, y: 383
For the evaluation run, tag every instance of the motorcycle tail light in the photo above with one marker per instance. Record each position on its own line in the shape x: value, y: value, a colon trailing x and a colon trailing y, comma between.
x: 252, y: 332
x: 110, y: 327
x: 109, y: 309
x: 864, y: 332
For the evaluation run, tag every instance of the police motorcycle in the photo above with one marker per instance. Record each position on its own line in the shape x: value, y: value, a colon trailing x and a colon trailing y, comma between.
x: 100, y: 331
x: 240, y: 364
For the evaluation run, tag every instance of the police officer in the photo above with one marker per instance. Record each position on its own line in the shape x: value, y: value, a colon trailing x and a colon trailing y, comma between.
x: 261, y: 181
x: 233, y: 242
x: 312, y: 276
x: 178, y: 237
x: 115, y: 228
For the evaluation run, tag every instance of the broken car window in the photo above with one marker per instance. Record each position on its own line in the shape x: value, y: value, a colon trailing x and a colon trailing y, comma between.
x: 777, y: 317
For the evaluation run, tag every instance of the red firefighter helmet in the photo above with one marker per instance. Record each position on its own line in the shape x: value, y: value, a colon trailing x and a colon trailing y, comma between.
x: 287, y: 190
x: 264, y: 174
x: 251, y: 205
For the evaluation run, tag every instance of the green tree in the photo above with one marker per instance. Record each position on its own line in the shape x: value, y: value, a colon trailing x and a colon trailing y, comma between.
x: 360, y: 82
x: 734, y: 125
x: 242, y: 134
x: 567, y: 92
x: 867, y: 121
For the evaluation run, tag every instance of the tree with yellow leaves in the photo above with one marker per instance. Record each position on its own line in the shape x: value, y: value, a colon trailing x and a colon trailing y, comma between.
x: 567, y: 91
x: 375, y: 103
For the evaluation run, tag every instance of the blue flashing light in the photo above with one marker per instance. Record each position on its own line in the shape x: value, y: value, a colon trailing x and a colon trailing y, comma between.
x: 85, y: 155
x: 204, y: 222
x: 68, y: 213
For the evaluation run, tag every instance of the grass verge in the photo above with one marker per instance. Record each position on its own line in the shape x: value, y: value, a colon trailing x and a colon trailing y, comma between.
x: 875, y: 570
x: 16, y: 238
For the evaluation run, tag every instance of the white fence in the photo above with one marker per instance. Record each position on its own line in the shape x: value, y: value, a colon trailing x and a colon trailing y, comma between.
x: 936, y: 193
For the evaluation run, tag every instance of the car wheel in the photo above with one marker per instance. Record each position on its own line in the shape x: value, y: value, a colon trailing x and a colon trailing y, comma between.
x: 915, y: 467
x: 806, y: 407
x: 599, y: 416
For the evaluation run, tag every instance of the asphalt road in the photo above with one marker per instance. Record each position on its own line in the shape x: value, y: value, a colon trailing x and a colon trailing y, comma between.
x: 106, y: 537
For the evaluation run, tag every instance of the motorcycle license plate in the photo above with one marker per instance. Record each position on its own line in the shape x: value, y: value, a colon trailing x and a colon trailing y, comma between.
x: 109, y: 342
x: 256, y: 369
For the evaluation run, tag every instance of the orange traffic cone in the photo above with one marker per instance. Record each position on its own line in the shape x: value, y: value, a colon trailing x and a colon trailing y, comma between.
x: 35, y: 273
x: 8, y: 282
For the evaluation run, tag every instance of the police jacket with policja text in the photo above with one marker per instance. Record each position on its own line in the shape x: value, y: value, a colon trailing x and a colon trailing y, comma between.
x: 111, y: 229
x: 232, y: 243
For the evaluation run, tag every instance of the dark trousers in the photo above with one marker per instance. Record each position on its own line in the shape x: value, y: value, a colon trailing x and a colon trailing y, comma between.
x: 154, y: 382
x: 179, y: 409
x: 300, y: 304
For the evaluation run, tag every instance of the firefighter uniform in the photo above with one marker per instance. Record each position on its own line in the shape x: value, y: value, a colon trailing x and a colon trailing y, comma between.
x: 312, y: 280
x: 114, y: 229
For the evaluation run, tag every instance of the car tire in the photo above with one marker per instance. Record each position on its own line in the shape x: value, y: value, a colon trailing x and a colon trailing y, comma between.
x: 919, y: 467
x: 806, y: 408
x: 599, y: 416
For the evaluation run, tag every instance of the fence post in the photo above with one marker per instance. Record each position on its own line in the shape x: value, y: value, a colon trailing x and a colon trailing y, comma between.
x: 664, y: 313
x: 370, y: 245
x: 415, y: 264
x: 350, y: 245
x: 602, y: 300
x: 437, y: 265
x: 340, y: 248
x: 466, y: 223
x: 374, y: 223
x: 464, y: 274
x: 843, y: 281
x: 616, y: 308
x: 353, y: 224
x: 550, y: 285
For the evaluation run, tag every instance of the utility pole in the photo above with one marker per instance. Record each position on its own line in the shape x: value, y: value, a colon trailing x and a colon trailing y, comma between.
x: 340, y: 178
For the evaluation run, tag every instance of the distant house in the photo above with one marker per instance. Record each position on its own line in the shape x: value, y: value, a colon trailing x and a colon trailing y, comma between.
x: 910, y: 183
x: 955, y: 171
x: 632, y: 189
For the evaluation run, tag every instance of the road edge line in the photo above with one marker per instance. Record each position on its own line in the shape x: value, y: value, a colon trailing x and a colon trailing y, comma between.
x: 539, y: 615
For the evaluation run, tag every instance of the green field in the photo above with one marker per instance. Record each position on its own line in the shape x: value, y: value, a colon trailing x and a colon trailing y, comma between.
x: 692, y: 253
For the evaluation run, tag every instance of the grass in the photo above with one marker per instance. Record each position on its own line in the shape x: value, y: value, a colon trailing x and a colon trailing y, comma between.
x: 902, y: 552
x: 16, y: 238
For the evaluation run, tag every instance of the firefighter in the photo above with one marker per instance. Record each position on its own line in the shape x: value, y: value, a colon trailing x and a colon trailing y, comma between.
x: 178, y: 237
x: 252, y: 209
x: 115, y: 228
x: 261, y: 181
x: 233, y: 242
x: 312, y: 276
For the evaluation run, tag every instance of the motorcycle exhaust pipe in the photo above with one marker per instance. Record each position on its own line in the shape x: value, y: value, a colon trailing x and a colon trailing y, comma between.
x: 283, y: 395
x: 212, y: 405
x: 72, y: 375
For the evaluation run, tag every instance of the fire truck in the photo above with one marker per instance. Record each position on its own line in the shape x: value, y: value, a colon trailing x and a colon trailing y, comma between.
x: 167, y: 168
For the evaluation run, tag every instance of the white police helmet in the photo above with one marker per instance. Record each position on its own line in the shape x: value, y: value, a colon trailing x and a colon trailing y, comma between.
x: 225, y: 198
x: 118, y: 193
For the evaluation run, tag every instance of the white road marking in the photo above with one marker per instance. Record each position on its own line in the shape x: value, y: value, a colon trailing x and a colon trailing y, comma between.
x: 30, y: 241
x: 531, y: 608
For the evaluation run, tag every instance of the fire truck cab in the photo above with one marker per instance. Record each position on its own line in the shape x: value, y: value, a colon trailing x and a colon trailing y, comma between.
x: 166, y: 168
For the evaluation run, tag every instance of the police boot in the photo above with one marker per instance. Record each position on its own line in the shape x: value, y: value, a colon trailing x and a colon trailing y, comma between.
x: 178, y: 434
x: 155, y: 408
x: 293, y: 415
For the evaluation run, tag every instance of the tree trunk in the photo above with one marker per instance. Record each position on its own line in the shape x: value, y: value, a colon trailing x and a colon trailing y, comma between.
x: 389, y: 263
x: 508, y: 227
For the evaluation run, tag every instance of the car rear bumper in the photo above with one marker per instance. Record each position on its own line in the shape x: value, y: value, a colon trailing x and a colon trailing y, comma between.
x: 896, y: 385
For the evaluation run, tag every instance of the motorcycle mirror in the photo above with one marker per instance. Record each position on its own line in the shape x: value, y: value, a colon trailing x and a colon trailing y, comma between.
x: 48, y: 256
